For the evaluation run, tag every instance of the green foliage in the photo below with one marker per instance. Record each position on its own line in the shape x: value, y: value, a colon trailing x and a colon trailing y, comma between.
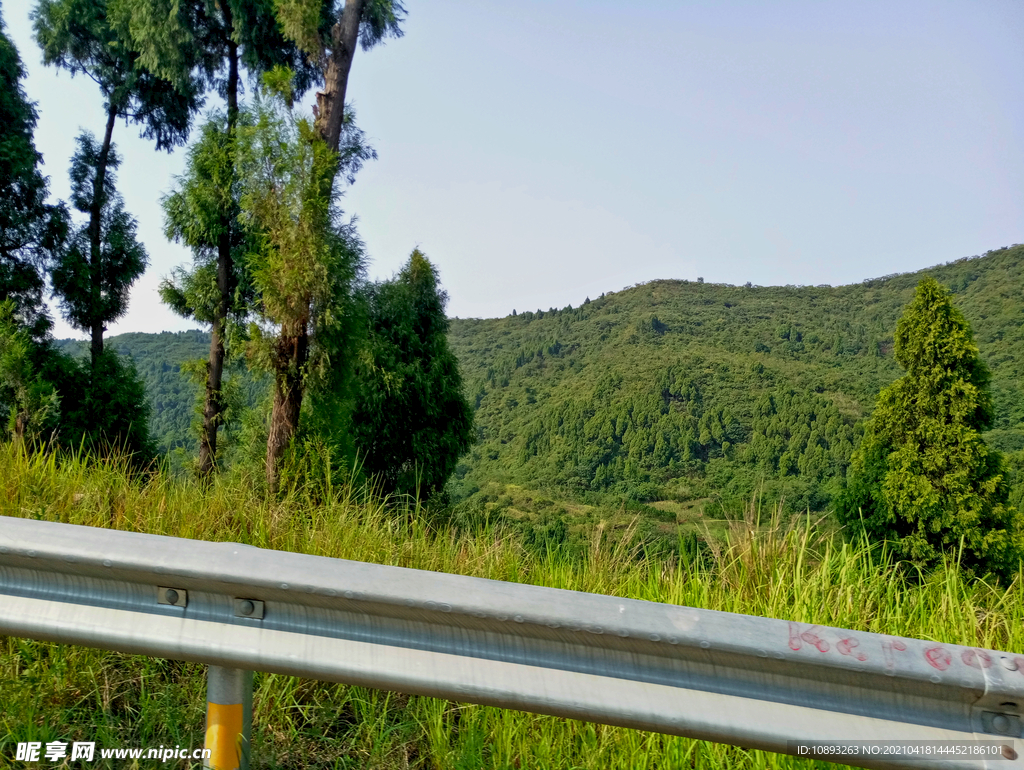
x: 199, y: 211
x: 923, y: 477
x: 233, y: 396
x: 381, y: 19
x: 82, y: 37
x: 29, y: 228
x: 186, y: 42
x: 305, y: 259
x: 49, y: 394
x: 308, y: 23
x: 30, y: 402
x: 104, y: 409
x: 411, y: 421
x: 122, y: 258
x: 203, y: 213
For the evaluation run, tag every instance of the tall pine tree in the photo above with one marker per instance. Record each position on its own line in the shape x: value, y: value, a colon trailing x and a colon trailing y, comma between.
x: 103, y: 404
x: 922, y: 477
x: 81, y: 36
x: 411, y: 420
x: 92, y: 285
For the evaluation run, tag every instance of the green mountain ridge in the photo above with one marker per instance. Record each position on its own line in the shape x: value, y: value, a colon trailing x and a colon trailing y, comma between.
x: 679, y: 391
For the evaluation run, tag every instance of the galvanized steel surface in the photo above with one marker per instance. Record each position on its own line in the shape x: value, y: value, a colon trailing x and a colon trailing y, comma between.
x: 738, y: 679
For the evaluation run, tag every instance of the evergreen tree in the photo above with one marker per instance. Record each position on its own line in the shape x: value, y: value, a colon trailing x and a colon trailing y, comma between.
x: 103, y: 407
x: 29, y: 228
x: 923, y: 478
x: 92, y: 284
x: 203, y: 212
x: 103, y: 404
x: 306, y: 259
x: 80, y: 36
x: 328, y: 36
x: 411, y: 420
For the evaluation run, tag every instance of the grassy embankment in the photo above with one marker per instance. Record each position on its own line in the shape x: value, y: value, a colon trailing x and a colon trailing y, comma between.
x: 53, y: 692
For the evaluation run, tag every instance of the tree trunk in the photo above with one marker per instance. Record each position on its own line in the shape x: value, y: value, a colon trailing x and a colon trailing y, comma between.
x: 213, y: 407
x: 292, y: 350
x: 331, y: 101
x: 21, y: 428
x: 95, y: 246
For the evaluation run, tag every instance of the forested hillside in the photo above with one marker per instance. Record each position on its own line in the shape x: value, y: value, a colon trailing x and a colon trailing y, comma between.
x: 677, y: 391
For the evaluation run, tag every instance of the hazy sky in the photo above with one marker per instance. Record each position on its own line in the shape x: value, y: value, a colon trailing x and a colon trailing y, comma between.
x: 542, y: 152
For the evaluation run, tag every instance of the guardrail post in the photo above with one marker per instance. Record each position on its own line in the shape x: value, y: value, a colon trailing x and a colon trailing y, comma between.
x: 228, y: 718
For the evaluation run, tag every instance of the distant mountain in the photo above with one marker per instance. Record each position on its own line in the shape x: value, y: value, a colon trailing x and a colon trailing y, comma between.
x: 676, y: 391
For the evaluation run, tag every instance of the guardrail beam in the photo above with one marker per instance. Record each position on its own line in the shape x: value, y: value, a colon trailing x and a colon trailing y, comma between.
x: 748, y: 681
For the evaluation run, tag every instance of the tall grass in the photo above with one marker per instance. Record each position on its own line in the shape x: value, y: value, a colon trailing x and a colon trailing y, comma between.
x: 55, y: 692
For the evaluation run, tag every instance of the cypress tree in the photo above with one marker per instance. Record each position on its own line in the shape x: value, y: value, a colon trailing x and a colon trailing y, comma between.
x: 92, y: 285
x: 923, y: 478
x: 81, y: 37
x: 103, y: 404
x: 411, y: 420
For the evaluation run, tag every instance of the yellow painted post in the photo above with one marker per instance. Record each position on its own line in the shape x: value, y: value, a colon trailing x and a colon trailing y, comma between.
x: 228, y: 718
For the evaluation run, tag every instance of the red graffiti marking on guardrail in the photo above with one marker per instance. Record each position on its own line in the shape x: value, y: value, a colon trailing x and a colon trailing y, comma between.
x: 845, y: 647
x: 796, y: 637
x: 938, y: 658
x: 889, y: 647
x: 976, y: 658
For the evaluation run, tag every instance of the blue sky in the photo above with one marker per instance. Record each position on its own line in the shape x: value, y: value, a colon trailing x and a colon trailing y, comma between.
x: 543, y: 152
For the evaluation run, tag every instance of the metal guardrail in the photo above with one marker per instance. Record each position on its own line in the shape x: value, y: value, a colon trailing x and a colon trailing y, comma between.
x: 736, y: 679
